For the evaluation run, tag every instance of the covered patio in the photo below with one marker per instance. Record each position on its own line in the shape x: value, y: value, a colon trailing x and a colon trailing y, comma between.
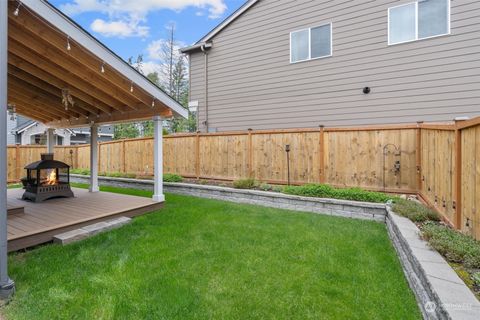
x: 53, y: 71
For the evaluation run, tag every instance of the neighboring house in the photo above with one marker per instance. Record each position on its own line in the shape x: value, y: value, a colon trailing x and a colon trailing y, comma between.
x: 292, y: 64
x: 82, y: 135
x: 24, y: 131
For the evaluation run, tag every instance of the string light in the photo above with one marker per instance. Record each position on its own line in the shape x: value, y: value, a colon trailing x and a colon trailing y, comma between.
x: 17, y: 10
x: 103, y: 67
x: 131, y: 86
x: 68, y: 44
x: 153, y: 103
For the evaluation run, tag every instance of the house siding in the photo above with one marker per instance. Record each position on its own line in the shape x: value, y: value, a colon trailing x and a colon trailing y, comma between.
x: 252, y: 84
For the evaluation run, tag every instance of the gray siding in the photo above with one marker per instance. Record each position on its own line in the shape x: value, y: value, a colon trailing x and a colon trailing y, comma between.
x: 252, y: 84
x: 10, y: 125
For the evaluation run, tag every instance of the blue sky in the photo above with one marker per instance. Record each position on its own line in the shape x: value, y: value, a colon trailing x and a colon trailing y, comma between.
x: 132, y: 27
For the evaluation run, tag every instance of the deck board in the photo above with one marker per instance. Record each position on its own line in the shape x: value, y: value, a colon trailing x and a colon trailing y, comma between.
x: 41, y: 221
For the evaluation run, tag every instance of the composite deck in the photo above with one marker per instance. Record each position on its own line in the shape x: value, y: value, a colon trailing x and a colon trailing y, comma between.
x: 39, y: 222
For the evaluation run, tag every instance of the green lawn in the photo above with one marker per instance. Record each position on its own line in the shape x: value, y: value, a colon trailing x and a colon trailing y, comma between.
x: 206, y: 259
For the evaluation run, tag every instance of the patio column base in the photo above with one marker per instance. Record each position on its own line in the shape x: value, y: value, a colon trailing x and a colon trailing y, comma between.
x: 6, y: 292
x: 158, y: 198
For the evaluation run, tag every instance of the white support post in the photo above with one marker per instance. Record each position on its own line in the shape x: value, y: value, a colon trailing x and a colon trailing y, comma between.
x: 158, y: 195
x: 50, y: 140
x: 94, y: 158
x: 7, y: 286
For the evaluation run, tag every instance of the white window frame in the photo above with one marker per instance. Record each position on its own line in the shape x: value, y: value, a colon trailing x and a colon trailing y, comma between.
x: 310, y: 43
x: 416, y: 23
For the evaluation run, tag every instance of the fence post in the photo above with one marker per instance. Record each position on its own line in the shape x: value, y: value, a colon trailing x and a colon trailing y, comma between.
x: 76, y: 157
x: 17, y: 162
x: 99, y: 150
x: 322, y: 154
x: 124, y: 160
x: 458, y: 177
x: 197, y: 155
x: 250, y: 154
x: 419, y: 156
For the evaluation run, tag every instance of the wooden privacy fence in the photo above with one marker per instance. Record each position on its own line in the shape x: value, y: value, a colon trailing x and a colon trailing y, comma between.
x: 438, y: 162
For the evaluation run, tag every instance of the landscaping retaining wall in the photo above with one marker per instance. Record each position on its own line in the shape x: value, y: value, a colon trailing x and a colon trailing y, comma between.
x: 344, y: 208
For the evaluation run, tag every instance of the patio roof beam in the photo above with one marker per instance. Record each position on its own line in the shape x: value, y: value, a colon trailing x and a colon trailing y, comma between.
x: 38, y: 85
x: 21, y: 98
x: 116, y: 117
x: 36, y: 115
x: 32, y: 111
x: 48, y: 98
x: 65, y: 61
x: 35, y: 25
x: 36, y: 72
x: 34, y: 98
x: 59, y: 84
x: 68, y: 76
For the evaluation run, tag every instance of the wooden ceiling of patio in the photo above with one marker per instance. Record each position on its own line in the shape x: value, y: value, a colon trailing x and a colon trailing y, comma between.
x: 40, y: 65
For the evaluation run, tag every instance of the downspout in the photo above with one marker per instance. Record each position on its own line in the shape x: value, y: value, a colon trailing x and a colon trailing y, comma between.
x: 205, y: 53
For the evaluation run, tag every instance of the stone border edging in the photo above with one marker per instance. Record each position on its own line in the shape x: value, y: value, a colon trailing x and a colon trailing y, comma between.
x: 335, y: 207
x: 440, y: 293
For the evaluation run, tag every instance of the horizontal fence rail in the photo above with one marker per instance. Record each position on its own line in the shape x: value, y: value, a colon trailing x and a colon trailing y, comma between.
x: 436, y: 161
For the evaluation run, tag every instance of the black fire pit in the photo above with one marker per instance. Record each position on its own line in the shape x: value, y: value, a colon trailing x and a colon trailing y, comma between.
x: 47, y: 179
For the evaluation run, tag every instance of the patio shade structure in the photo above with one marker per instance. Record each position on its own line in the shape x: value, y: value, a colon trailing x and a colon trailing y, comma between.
x: 55, y: 72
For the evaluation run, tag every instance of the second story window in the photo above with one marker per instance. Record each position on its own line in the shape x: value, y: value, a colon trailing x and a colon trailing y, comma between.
x: 418, y: 20
x: 311, y: 43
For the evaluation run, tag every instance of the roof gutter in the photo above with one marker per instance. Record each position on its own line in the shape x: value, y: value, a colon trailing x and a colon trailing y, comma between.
x: 203, y: 46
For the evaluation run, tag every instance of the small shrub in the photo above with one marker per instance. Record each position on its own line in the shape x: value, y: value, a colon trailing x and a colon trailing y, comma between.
x: 414, y: 211
x: 170, y: 177
x: 453, y: 245
x: 476, y: 278
x: 245, y: 183
x: 326, y: 191
x: 265, y: 187
x: 120, y: 175
x: 84, y: 172
x: 277, y: 189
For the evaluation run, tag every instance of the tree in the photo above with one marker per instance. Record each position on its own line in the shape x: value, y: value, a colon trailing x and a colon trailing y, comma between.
x: 125, y: 131
x: 138, y: 63
x: 174, y: 79
x: 153, y: 76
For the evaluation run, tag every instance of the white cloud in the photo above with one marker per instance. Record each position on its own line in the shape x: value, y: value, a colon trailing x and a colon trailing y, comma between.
x: 151, y: 67
x: 155, y: 49
x: 119, y: 28
x: 128, y: 17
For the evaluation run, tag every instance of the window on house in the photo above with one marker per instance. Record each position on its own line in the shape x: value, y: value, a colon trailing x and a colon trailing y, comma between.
x: 418, y: 20
x: 311, y: 43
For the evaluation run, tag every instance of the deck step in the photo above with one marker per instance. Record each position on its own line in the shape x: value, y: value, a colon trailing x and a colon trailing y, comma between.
x: 17, y: 210
x: 90, y: 230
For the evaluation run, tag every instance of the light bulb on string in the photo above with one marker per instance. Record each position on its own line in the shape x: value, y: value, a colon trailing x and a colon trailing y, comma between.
x: 17, y: 10
x: 68, y: 44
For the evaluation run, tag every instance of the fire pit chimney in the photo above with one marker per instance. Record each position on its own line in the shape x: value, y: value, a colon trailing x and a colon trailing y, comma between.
x: 46, y: 156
